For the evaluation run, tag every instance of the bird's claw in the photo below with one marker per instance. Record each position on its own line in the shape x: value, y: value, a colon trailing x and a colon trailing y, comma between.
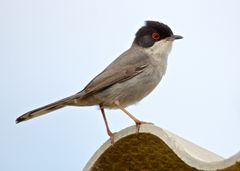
x: 111, y: 135
x: 138, y: 125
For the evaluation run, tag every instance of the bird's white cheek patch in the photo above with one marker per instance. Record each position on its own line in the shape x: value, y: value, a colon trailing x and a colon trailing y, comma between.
x: 160, y: 49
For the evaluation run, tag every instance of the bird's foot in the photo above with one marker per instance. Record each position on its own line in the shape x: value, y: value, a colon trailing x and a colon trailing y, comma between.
x: 139, y: 123
x: 112, y: 140
x: 111, y: 135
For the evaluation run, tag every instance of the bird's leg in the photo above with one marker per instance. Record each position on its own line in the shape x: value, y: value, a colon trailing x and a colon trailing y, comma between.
x: 137, y: 121
x: 106, y: 124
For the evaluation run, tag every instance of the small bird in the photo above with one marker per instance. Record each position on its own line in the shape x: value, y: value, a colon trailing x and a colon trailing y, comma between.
x: 127, y: 80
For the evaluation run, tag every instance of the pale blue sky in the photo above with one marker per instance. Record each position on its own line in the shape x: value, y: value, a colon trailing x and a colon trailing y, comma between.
x: 50, y: 49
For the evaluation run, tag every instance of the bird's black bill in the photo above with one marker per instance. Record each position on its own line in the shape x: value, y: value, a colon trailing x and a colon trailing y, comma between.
x: 175, y: 37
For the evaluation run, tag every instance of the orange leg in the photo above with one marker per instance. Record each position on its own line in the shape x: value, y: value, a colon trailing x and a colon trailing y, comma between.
x: 106, y: 124
x: 137, y: 121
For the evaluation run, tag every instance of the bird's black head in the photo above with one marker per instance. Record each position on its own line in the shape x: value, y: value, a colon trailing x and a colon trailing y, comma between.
x: 152, y: 32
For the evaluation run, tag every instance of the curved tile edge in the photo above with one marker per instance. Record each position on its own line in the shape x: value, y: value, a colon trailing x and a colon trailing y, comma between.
x: 193, y: 155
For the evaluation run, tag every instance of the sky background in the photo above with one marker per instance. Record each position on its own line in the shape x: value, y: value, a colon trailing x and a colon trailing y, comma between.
x: 50, y: 49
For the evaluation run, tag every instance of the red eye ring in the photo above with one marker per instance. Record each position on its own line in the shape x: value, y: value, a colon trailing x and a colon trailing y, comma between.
x: 156, y: 36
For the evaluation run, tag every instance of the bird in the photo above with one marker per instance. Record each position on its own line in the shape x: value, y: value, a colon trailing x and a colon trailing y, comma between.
x: 127, y: 80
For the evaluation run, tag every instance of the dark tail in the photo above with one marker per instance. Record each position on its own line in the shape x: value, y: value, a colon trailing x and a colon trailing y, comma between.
x: 44, y: 110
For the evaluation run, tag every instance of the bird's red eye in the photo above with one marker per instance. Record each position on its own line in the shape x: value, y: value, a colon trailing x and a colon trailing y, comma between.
x: 156, y: 36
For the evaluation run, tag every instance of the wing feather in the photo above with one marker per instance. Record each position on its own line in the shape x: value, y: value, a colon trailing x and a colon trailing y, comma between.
x: 112, y: 76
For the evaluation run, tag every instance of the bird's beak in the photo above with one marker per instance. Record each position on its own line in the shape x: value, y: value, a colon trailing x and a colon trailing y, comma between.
x: 175, y: 37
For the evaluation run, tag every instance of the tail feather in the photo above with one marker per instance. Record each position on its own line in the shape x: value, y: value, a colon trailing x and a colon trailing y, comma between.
x: 44, y: 110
